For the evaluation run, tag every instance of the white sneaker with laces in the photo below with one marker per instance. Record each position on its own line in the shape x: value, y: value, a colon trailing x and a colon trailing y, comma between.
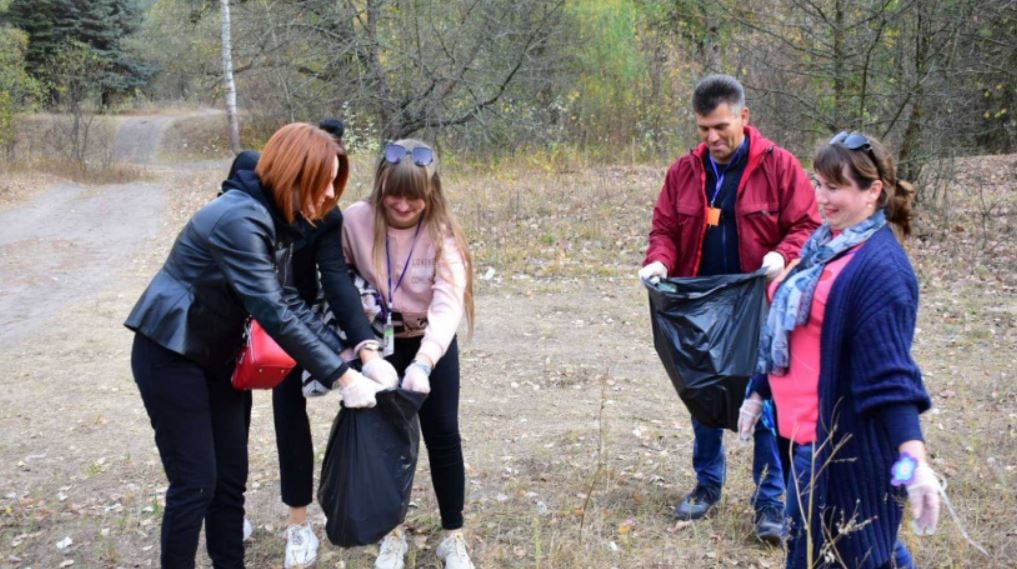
x: 392, y: 551
x: 301, y: 546
x: 453, y: 552
x: 248, y: 529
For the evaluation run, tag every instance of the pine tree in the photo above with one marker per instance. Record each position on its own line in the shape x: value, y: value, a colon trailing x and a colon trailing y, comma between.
x: 102, y: 25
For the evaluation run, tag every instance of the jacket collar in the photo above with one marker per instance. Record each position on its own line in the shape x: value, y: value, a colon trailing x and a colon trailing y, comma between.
x: 247, y: 181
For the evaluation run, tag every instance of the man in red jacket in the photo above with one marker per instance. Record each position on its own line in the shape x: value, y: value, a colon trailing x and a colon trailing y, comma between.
x: 735, y: 204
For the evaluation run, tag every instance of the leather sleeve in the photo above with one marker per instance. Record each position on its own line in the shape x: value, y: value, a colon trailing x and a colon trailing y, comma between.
x: 241, y: 244
x: 342, y: 296
x: 297, y: 305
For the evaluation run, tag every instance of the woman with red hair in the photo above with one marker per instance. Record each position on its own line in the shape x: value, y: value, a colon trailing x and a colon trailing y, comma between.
x: 229, y: 263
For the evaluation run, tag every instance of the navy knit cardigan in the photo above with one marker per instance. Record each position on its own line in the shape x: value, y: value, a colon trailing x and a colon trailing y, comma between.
x: 870, y: 394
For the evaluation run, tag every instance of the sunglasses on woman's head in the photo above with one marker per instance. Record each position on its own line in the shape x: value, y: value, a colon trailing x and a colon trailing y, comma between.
x: 421, y: 155
x: 852, y: 140
x: 857, y: 141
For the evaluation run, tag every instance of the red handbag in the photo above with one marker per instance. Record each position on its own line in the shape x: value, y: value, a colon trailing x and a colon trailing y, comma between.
x: 262, y: 364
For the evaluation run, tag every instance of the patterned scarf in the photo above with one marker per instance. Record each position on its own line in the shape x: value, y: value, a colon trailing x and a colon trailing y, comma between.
x: 793, y: 301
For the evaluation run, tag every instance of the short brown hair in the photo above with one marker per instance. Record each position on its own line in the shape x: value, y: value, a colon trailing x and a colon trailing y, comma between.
x: 296, y: 166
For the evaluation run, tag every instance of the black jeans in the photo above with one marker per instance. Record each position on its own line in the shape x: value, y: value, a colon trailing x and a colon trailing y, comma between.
x: 201, y: 425
x: 439, y: 424
x: 293, y: 441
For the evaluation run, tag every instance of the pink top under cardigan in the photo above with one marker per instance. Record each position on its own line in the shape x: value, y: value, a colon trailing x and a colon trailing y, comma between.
x: 796, y: 394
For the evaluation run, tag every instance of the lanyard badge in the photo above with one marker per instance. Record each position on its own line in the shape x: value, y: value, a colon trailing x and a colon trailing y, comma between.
x: 713, y: 212
x: 388, y: 335
x: 713, y: 216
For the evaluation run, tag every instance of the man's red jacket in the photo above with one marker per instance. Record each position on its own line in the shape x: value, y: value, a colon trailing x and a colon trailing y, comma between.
x: 775, y: 209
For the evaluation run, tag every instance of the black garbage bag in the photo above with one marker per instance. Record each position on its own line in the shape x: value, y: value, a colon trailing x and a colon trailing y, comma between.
x: 706, y: 332
x: 367, y: 473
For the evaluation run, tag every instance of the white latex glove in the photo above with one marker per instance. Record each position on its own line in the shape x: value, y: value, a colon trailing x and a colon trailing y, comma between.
x: 748, y: 416
x: 923, y: 495
x: 382, y: 372
x: 773, y: 262
x: 416, y: 379
x: 359, y: 392
x: 653, y: 272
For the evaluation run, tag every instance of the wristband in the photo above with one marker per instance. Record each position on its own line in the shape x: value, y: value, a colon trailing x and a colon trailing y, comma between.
x: 903, y: 470
x: 423, y: 366
x: 370, y: 345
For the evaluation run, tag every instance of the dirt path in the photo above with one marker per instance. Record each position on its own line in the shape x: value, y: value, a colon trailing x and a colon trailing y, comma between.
x: 577, y: 447
x: 63, y: 245
x: 138, y: 139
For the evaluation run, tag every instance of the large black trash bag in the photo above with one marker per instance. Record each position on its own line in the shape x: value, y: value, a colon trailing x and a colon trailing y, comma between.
x: 367, y: 474
x: 706, y: 332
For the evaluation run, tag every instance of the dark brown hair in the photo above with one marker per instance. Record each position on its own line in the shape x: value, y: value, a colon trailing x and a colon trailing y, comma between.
x: 296, y: 166
x: 865, y: 166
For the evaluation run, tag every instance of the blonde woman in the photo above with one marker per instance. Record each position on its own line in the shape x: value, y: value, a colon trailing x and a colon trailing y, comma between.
x: 406, y: 243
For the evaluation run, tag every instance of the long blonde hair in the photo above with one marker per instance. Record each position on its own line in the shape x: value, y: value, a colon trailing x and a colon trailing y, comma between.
x: 407, y: 179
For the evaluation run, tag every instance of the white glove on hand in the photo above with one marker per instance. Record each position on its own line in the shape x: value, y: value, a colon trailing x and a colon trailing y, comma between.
x: 416, y: 379
x: 748, y: 416
x: 923, y: 495
x: 773, y: 262
x: 382, y: 372
x: 653, y: 272
x: 359, y: 392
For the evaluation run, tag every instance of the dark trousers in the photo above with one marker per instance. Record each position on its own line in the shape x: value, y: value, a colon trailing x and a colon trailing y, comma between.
x: 799, y: 490
x: 293, y: 441
x: 439, y: 424
x: 201, y: 425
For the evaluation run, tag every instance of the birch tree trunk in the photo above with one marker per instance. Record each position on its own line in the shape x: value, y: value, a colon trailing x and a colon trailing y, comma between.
x: 231, y: 87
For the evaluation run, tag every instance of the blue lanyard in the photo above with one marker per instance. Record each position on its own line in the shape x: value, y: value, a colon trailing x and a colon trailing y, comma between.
x: 719, y: 176
x: 388, y: 263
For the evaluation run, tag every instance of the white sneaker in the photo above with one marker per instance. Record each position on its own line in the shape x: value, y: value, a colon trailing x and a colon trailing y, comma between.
x: 392, y: 550
x: 301, y: 546
x: 453, y: 552
x: 248, y: 529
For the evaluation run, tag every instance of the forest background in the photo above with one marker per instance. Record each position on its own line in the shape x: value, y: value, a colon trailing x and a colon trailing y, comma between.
x: 545, y: 80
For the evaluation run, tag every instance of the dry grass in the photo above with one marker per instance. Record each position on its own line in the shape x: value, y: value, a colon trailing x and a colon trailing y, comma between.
x: 43, y: 146
x: 577, y: 446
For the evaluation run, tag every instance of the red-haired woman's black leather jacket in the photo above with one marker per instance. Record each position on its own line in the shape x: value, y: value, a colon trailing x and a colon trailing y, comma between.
x: 229, y: 262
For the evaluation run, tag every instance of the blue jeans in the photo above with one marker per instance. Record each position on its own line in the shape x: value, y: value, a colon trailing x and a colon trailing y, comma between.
x: 709, y: 464
x: 798, y: 495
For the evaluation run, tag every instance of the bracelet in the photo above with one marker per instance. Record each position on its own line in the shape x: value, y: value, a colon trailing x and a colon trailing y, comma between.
x: 423, y: 366
x: 371, y: 345
x: 903, y: 470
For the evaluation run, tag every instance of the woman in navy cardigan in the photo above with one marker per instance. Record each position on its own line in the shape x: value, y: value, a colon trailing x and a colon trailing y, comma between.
x: 837, y: 350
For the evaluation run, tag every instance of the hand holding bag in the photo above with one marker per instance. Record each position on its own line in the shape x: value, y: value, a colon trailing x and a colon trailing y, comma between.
x: 262, y: 364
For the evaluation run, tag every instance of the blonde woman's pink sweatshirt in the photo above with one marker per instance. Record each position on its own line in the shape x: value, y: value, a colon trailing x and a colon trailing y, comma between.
x: 430, y: 299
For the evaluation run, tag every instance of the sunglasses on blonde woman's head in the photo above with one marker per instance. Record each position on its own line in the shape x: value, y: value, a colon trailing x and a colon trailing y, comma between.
x: 857, y: 141
x: 421, y: 155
